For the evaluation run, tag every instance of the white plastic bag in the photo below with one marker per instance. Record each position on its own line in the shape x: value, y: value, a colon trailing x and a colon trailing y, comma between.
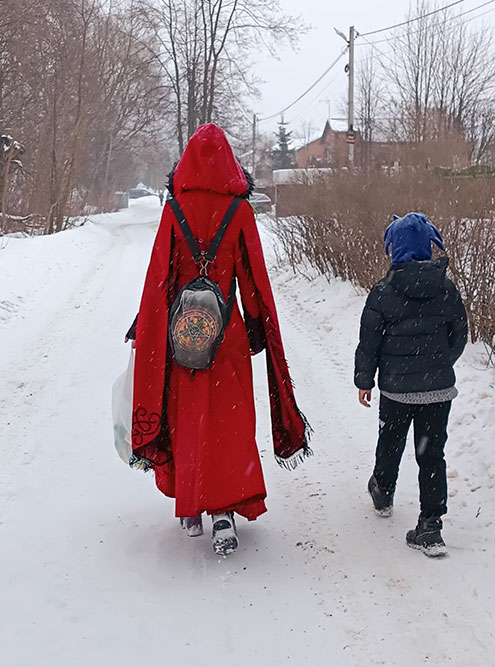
x: 122, y: 411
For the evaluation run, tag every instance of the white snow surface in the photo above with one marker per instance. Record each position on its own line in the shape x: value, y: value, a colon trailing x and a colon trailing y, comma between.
x: 94, y: 568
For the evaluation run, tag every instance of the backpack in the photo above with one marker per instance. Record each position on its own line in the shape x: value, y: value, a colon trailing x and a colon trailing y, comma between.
x: 199, y: 315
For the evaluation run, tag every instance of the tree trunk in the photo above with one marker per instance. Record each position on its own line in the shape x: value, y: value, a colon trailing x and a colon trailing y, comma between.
x: 5, y: 184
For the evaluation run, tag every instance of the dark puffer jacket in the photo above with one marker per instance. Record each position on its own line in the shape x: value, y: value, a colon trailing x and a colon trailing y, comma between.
x: 413, y: 330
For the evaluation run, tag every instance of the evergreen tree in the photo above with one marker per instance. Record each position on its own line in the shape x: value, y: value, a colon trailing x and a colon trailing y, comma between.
x: 283, y: 154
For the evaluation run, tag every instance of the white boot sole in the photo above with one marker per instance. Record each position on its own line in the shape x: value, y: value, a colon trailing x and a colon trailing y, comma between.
x: 385, y: 513
x: 225, y: 543
x: 224, y: 539
x: 192, y: 531
x: 435, y: 551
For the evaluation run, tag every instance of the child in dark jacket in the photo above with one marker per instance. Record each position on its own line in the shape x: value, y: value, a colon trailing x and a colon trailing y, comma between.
x: 413, y: 330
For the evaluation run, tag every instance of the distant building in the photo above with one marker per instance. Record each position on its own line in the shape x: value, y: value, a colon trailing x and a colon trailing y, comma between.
x: 330, y: 150
x: 446, y: 148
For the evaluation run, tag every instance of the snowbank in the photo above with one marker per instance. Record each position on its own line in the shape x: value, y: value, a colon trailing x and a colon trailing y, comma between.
x: 94, y: 569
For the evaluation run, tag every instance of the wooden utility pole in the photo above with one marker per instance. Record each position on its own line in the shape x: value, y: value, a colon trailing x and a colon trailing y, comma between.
x: 351, y: 135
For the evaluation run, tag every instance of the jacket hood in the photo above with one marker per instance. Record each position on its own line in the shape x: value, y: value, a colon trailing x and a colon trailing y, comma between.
x: 208, y: 163
x: 419, y: 280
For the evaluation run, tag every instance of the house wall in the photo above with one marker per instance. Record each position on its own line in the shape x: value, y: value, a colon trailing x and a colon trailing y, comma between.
x: 332, y: 149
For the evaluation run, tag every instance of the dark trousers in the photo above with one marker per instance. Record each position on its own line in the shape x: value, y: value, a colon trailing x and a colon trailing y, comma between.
x: 430, y: 436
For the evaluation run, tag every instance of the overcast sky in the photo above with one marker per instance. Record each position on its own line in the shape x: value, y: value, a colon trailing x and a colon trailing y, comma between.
x: 287, y: 78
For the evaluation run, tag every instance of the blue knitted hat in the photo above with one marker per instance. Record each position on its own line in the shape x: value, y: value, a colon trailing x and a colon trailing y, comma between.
x: 411, y: 238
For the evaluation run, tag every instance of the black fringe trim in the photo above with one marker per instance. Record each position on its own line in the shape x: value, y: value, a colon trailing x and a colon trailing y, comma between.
x: 308, y: 429
x: 139, y: 463
x: 250, y: 182
x: 296, y: 459
x: 291, y: 462
x: 170, y: 179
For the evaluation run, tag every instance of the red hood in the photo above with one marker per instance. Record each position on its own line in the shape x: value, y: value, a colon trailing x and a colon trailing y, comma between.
x: 208, y: 163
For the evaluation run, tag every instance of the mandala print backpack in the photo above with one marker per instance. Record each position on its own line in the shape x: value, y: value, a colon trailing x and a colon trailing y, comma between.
x: 199, y: 315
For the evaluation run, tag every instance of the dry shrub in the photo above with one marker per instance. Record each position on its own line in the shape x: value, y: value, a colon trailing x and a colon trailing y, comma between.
x: 342, y: 218
x: 471, y: 247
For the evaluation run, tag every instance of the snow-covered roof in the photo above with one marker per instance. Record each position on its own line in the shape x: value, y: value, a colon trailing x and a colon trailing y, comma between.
x: 290, y: 176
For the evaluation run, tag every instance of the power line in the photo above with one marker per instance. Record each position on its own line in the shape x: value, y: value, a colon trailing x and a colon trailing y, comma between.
x: 316, y: 98
x: 451, y: 18
x: 308, y: 90
x: 387, y: 55
x: 374, y: 32
x: 417, y: 18
x: 373, y: 45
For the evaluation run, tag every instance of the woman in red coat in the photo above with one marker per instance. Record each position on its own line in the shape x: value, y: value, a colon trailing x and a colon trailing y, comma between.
x: 197, y: 430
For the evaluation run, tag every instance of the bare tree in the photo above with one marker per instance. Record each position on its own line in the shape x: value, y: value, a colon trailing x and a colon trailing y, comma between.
x: 204, y: 47
x: 10, y: 166
x: 369, y: 96
x: 412, y: 74
x: 87, y: 98
x: 442, y: 76
x: 466, y: 80
x: 481, y: 130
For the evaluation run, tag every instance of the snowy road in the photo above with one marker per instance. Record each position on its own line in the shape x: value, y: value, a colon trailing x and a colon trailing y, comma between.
x: 94, y: 569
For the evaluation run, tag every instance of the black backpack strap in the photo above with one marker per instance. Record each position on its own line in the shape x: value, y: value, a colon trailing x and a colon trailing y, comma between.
x: 211, y: 253
x: 186, y: 230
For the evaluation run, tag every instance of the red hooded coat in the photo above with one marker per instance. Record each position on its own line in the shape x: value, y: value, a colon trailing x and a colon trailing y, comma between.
x: 198, y: 430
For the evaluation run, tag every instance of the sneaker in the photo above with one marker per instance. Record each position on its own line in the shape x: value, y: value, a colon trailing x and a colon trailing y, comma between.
x: 224, y: 534
x: 427, y: 537
x: 382, y: 500
x: 193, y: 525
